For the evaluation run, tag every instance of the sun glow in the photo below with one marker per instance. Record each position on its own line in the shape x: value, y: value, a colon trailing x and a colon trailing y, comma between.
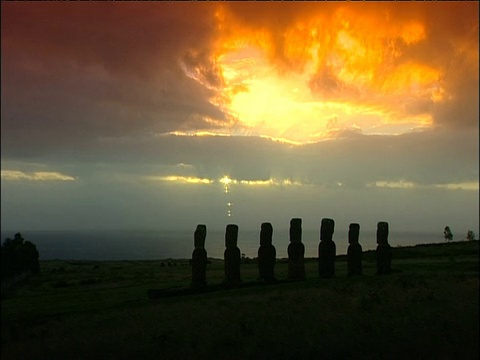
x: 181, y: 179
x: 226, y: 181
x: 349, y: 66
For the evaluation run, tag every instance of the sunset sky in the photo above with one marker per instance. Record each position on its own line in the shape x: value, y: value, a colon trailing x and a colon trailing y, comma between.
x: 165, y: 115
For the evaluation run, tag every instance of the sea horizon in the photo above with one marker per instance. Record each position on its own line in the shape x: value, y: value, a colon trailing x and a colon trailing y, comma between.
x: 154, y: 244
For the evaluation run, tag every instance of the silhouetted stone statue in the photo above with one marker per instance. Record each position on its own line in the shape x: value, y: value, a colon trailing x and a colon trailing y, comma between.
x: 354, y: 252
x: 296, y: 251
x: 384, y: 251
x: 326, y: 249
x: 266, y: 253
x: 232, y: 256
x: 199, y: 258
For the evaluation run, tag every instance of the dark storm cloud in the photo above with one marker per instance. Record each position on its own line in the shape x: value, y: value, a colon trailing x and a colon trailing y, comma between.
x: 72, y: 73
x: 128, y: 37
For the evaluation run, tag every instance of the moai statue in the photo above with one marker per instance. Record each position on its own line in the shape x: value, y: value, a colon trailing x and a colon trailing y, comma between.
x: 384, y: 251
x: 326, y: 249
x: 296, y: 251
x: 266, y: 253
x: 232, y: 256
x: 354, y: 252
x: 199, y: 258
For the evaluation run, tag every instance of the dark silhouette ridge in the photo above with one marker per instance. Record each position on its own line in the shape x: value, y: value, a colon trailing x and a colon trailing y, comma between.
x: 296, y: 251
x: 199, y: 258
x: 326, y: 250
x: 266, y: 253
x: 354, y: 252
x: 232, y: 257
x: 384, y: 251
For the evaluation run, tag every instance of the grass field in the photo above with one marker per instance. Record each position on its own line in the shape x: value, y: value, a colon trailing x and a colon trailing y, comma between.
x: 426, y: 309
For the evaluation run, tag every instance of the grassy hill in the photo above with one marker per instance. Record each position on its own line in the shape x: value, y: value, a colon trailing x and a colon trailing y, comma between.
x: 428, y: 308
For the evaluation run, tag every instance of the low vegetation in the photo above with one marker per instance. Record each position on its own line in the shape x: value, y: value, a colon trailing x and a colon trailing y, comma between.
x: 427, y: 308
x: 19, y: 260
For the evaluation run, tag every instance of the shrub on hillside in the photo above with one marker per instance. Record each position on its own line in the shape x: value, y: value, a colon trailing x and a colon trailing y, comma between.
x: 18, y: 257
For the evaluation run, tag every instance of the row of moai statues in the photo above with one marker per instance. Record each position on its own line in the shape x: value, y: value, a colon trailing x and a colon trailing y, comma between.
x: 296, y: 253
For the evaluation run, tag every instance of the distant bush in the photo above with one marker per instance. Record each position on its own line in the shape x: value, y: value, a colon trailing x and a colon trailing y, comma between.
x: 470, y: 235
x: 18, y: 257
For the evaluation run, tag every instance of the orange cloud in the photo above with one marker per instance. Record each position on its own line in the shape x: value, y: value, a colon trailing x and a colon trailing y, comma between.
x: 281, y: 64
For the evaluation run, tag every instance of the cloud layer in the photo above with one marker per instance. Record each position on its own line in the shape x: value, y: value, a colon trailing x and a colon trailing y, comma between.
x: 345, y: 103
x: 88, y: 71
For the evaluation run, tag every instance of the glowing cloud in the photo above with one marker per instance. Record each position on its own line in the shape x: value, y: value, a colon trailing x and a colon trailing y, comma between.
x: 15, y: 175
x: 355, y: 64
x: 474, y: 186
x: 226, y: 181
x: 460, y: 186
x: 180, y: 179
x: 393, y: 184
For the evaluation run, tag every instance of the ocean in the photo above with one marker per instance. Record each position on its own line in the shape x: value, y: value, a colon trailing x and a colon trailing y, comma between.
x: 158, y: 245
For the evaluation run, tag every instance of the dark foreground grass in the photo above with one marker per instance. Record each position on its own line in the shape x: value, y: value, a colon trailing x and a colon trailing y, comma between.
x: 428, y: 309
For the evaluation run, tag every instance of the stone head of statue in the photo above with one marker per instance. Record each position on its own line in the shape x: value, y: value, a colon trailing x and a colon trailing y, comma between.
x: 231, y: 235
